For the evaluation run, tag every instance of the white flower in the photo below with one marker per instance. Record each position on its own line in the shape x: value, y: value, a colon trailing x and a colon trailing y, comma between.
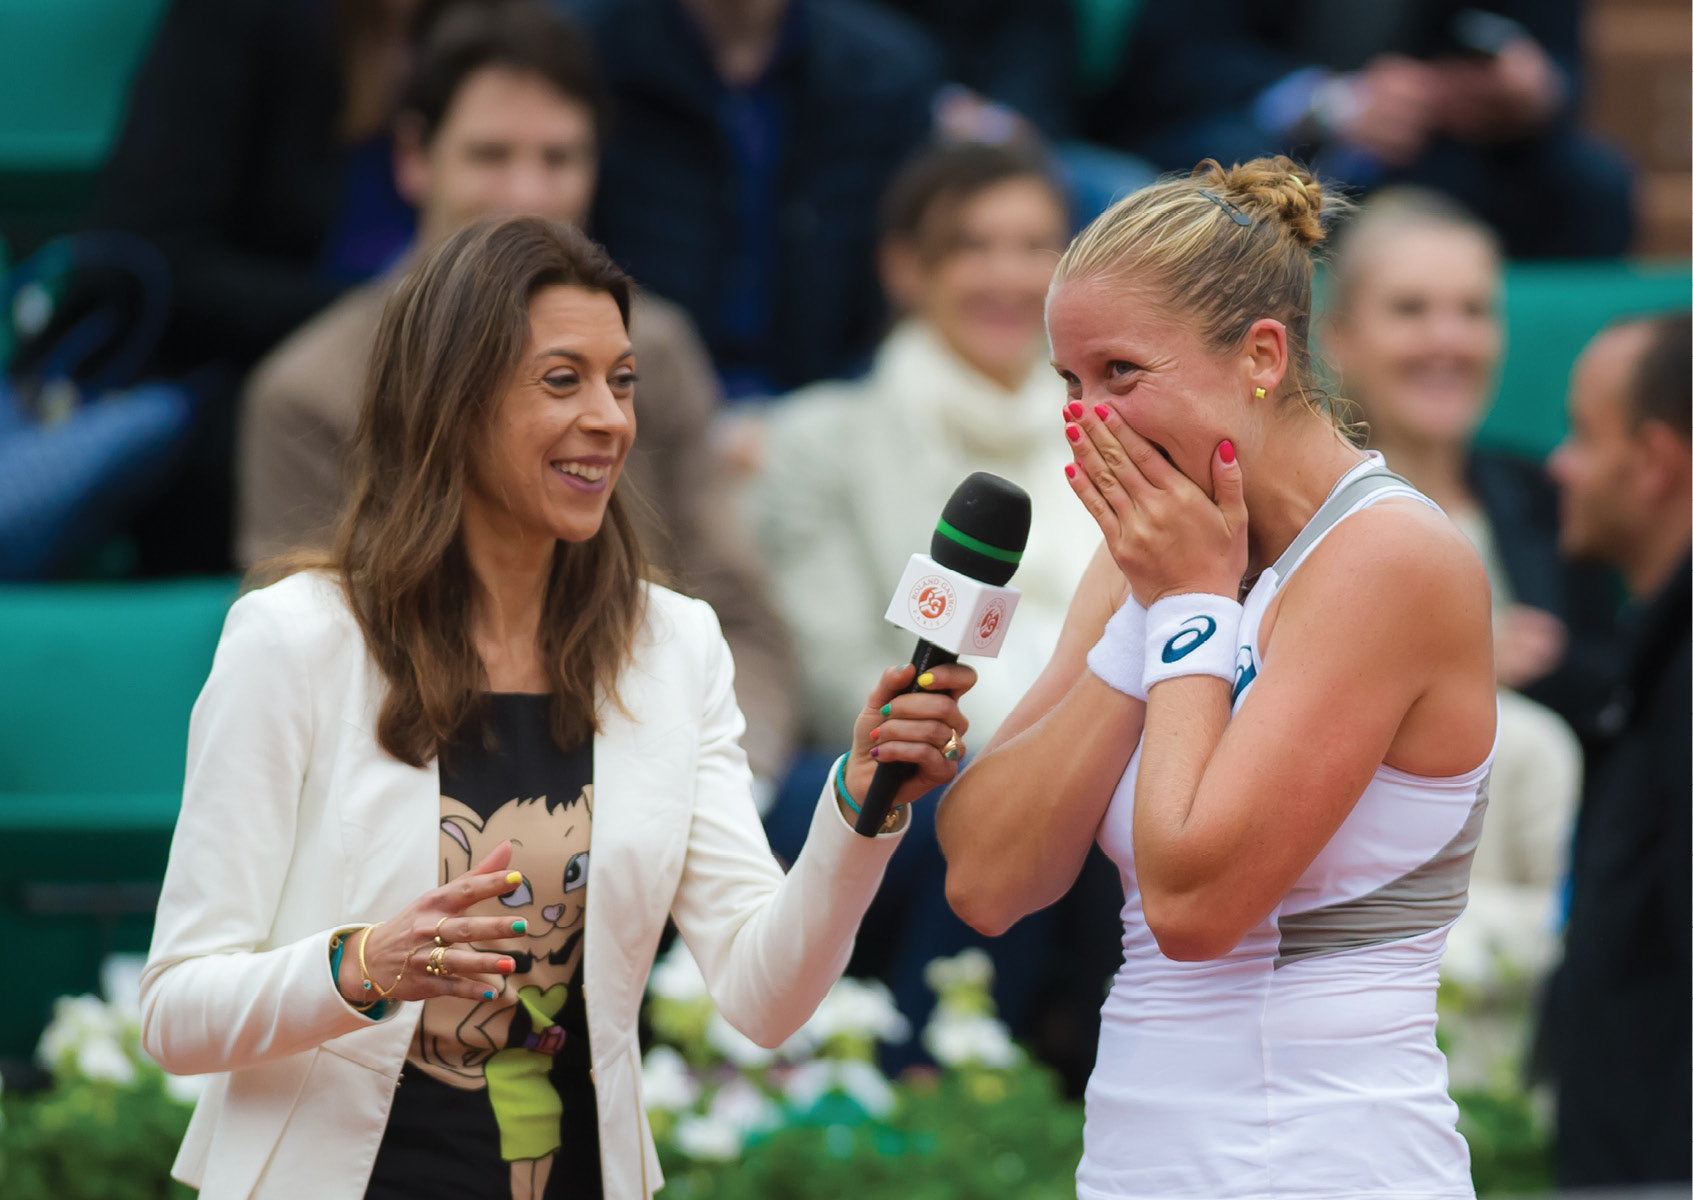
x: 186, y: 1088
x: 666, y: 1084
x: 867, y: 1086
x: 736, y: 1046
x: 745, y: 1108
x: 969, y: 1040
x: 102, y: 1059
x: 708, y: 1139
x: 858, y: 1008
x: 677, y: 976
x: 971, y: 968
x: 76, y: 1019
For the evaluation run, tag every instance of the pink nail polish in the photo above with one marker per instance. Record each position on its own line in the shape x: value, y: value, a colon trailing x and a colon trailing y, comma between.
x: 1226, y: 451
x: 1074, y: 412
x: 1100, y: 411
x: 1069, y: 470
x: 1073, y: 433
x: 875, y: 752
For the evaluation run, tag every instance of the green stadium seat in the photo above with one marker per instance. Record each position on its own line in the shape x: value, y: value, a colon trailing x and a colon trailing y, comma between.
x: 65, y: 70
x: 96, y: 682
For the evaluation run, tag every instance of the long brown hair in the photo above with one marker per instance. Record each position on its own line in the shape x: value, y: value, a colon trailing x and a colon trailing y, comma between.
x: 450, y: 339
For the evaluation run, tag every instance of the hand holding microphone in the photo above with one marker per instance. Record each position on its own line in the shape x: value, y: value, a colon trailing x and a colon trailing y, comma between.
x: 912, y: 725
x: 956, y: 600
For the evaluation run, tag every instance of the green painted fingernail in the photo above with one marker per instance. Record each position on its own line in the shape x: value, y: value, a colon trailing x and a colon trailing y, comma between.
x: 886, y: 708
x: 487, y: 995
x: 520, y: 926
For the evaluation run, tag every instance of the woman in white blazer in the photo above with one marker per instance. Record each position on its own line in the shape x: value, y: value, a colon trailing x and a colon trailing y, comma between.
x: 479, y: 674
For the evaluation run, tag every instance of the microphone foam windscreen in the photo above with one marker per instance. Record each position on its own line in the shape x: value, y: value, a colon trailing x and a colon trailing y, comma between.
x: 983, y: 529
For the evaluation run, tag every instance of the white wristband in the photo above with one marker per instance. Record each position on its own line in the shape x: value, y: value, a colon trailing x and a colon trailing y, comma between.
x: 1119, y: 657
x: 1194, y: 634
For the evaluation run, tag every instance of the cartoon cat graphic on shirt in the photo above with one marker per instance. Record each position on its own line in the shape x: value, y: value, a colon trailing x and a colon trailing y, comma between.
x: 505, y: 1044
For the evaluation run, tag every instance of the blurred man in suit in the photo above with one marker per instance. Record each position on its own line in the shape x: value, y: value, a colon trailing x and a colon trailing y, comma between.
x: 1617, y: 1028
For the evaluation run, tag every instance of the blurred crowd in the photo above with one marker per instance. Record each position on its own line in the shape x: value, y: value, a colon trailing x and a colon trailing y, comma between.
x: 844, y: 216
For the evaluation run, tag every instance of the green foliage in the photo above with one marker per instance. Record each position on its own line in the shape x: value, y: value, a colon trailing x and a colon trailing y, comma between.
x: 813, y: 1121
x: 1509, y: 1134
x: 1510, y: 1154
x: 970, y: 1134
x: 85, y: 1139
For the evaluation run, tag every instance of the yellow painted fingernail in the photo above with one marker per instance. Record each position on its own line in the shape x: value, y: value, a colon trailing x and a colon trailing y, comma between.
x: 926, y: 679
x: 515, y: 878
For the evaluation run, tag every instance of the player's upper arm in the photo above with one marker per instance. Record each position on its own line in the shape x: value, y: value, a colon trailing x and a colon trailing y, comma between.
x: 1385, y: 616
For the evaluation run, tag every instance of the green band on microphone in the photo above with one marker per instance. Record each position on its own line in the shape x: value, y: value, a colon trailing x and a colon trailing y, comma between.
x: 980, y: 547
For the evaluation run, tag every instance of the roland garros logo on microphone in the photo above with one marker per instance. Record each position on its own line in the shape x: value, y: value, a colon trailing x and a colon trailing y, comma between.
x: 989, y: 624
x: 932, y: 601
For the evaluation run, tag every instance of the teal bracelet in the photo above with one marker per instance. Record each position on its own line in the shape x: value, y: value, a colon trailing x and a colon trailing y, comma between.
x: 841, y: 787
x: 336, y: 946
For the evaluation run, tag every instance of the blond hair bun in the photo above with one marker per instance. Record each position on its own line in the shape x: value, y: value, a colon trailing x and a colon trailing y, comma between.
x: 1271, y: 187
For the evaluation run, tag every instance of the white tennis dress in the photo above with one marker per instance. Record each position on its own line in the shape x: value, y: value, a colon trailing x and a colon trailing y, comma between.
x: 1302, y: 1064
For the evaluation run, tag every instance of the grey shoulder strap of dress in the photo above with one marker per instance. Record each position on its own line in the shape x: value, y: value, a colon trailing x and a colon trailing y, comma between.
x: 1339, y: 503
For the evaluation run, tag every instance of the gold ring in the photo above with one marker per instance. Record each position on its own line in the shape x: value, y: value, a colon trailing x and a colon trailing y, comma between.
x: 952, y: 751
x: 437, y: 964
x: 438, y: 925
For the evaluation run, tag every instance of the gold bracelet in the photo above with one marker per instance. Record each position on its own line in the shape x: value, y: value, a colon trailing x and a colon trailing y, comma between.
x: 364, y: 971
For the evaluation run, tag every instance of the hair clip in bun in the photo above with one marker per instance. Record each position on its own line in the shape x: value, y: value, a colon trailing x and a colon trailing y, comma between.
x: 1235, y: 215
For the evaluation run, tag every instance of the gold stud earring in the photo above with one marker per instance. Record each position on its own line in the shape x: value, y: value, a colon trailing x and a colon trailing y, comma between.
x: 1258, y: 392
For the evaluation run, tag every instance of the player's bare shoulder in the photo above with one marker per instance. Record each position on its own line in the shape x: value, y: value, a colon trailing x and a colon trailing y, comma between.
x: 1404, y: 557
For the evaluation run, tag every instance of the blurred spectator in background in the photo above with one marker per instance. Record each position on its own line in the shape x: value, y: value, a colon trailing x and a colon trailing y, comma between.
x: 1012, y: 71
x: 1415, y: 334
x: 255, y: 155
x: 1478, y: 104
x: 502, y: 115
x: 1015, y: 53
x: 856, y: 474
x: 1616, y: 1024
x: 753, y: 138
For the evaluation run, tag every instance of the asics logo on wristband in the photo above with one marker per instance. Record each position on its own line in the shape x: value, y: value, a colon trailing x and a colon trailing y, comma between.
x: 1195, y: 632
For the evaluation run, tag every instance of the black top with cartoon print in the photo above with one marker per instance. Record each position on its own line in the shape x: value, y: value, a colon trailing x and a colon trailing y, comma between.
x: 496, y: 1097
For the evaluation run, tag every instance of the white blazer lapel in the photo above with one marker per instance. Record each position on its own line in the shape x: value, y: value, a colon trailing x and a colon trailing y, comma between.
x: 642, y: 806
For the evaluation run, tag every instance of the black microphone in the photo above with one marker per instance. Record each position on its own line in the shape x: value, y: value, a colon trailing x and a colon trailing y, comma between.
x: 981, y: 534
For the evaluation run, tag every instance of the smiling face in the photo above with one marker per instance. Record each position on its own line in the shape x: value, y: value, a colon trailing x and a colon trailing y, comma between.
x: 1419, y: 341
x: 1116, y: 345
x: 981, y: 281
x: 554, y: 447
x: 510, y: 144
